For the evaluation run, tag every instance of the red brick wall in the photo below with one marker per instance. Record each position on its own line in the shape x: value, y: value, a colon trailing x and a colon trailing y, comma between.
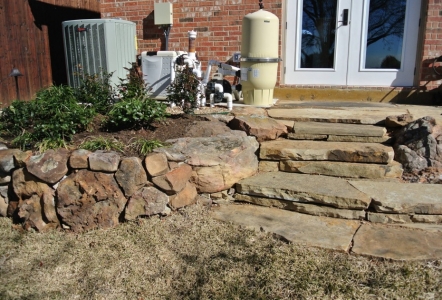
x: 432, y: 45
x: 218, y: 23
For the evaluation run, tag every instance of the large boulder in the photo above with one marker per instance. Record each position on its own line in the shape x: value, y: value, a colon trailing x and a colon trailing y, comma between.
x: 147, y: 201
x: 217, y: 162
x: 418, y: 145
x: 36, y: 204
x: 131, y: 175
x: 89, y: 200
x: 50, y: 166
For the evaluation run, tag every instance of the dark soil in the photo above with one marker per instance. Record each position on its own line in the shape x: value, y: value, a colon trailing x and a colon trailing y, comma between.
x: 175, y: 126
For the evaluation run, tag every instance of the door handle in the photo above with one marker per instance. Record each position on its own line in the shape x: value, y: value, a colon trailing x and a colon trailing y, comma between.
x: 345, y: 17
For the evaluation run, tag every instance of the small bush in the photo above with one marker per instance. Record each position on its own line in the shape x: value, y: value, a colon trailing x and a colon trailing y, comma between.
x: 47, y: 144
x: 97, y: 90
x: 102, y: 143
x: 53, y: 115
x: 184, y: 90
x: 135, y: 113
x: 17, y: 117
x: 144, y: 147
x: 58, y: 115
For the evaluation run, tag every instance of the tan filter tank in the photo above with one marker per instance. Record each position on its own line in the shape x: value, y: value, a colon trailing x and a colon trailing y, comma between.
x: 259, y: 57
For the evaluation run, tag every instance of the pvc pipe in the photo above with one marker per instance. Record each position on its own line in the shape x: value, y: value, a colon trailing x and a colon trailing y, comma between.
x: 229, y: 100
x: 212, y: 96
x: 226, y: 96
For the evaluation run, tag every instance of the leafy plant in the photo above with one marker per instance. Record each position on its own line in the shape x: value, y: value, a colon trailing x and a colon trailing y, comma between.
x: 102, y: 143
x: 54, y: 115
x: 133, y: 86
x: 17, y: 117
x: 144, y: 146
x: 47, y: 144
x: 58, y: 115
x: 23, y: 141
x: 135, y: 113
x: 184, y: 90
x: 97, y: 90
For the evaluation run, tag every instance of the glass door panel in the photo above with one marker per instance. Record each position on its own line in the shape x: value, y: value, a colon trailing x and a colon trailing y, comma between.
x: 318, y: 33
x: 385, y: 34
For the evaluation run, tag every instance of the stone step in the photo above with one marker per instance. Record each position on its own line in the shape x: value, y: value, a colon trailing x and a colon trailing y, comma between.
x: 324, y: 190
x: 340, y: 138
x: 339, y: 129
x: 373, y: 240
x: 298, y: 228
x: 305, y: 208
x: 403, y: 198
x: 326, y: 151
x: 398, y: 243
x: 352, y: 115
x: 342, y: 169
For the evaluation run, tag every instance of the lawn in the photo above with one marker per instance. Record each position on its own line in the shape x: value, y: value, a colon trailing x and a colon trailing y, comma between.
x: 188, y: 255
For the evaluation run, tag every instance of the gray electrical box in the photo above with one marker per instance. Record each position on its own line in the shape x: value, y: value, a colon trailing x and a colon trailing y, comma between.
x: 94, y: 46
x: 163, y: 13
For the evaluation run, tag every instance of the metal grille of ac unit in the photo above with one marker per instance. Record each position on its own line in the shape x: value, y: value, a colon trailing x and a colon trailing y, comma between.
x: 94, y: 46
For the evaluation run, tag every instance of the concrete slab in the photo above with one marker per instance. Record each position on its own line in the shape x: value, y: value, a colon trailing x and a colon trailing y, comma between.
x: 331, y: 191
x: 332, y: 151
x: 343, y: 169
x: 403, y: 198
x: 339, y: 129
x: 397, y: 243
x: 329, y: 233
x: 354, y: 115
x: 304, y: 208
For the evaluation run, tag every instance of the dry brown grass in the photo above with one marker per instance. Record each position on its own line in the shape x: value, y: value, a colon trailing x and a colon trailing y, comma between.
x: 190, y: 256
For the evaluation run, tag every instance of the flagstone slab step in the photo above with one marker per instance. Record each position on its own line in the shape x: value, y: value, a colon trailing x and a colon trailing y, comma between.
x: 397, y: 243
x: 331, y: 191
x: 332, y: 151
x: 352, y: 115
x: 329, y: 233
x: 310, y: 209
x: 339, y: 138
x: 403, y: 198
x: 342, y: 169
x: 403, y: 218
x: 338, y: 129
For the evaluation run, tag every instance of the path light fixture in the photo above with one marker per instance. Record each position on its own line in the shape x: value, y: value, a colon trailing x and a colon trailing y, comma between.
x: 16, y: 73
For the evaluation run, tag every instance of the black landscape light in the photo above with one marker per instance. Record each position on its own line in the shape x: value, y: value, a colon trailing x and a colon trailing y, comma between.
x: 16, y: 73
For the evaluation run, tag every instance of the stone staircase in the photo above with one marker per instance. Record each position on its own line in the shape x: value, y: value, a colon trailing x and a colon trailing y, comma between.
x: 333, y: 183
x: 337, y: 161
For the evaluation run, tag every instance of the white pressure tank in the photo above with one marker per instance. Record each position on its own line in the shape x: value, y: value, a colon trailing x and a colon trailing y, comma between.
x: 259, y: 57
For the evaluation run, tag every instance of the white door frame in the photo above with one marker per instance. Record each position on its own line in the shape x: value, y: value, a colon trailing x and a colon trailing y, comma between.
x: 349, y: 68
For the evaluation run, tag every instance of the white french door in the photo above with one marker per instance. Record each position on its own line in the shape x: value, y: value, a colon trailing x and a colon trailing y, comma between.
x: 351, y: 42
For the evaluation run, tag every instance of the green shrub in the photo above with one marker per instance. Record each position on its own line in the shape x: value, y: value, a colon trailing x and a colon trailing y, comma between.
x: 97, y: 90
x: 184, y: 90
x: 135, y: 113
x: 133, y: 86
x: 58, y: 115
x: 144, y: 146
x: 102, y: 143
x: 47, y: 144
x: 53, y: 115
x: 17, y: 117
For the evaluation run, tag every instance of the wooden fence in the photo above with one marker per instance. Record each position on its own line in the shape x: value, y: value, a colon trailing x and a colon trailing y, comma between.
x: 31, y: 40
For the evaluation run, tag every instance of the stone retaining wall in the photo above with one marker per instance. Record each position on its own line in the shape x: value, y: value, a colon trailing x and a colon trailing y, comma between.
x: 83, y: 190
